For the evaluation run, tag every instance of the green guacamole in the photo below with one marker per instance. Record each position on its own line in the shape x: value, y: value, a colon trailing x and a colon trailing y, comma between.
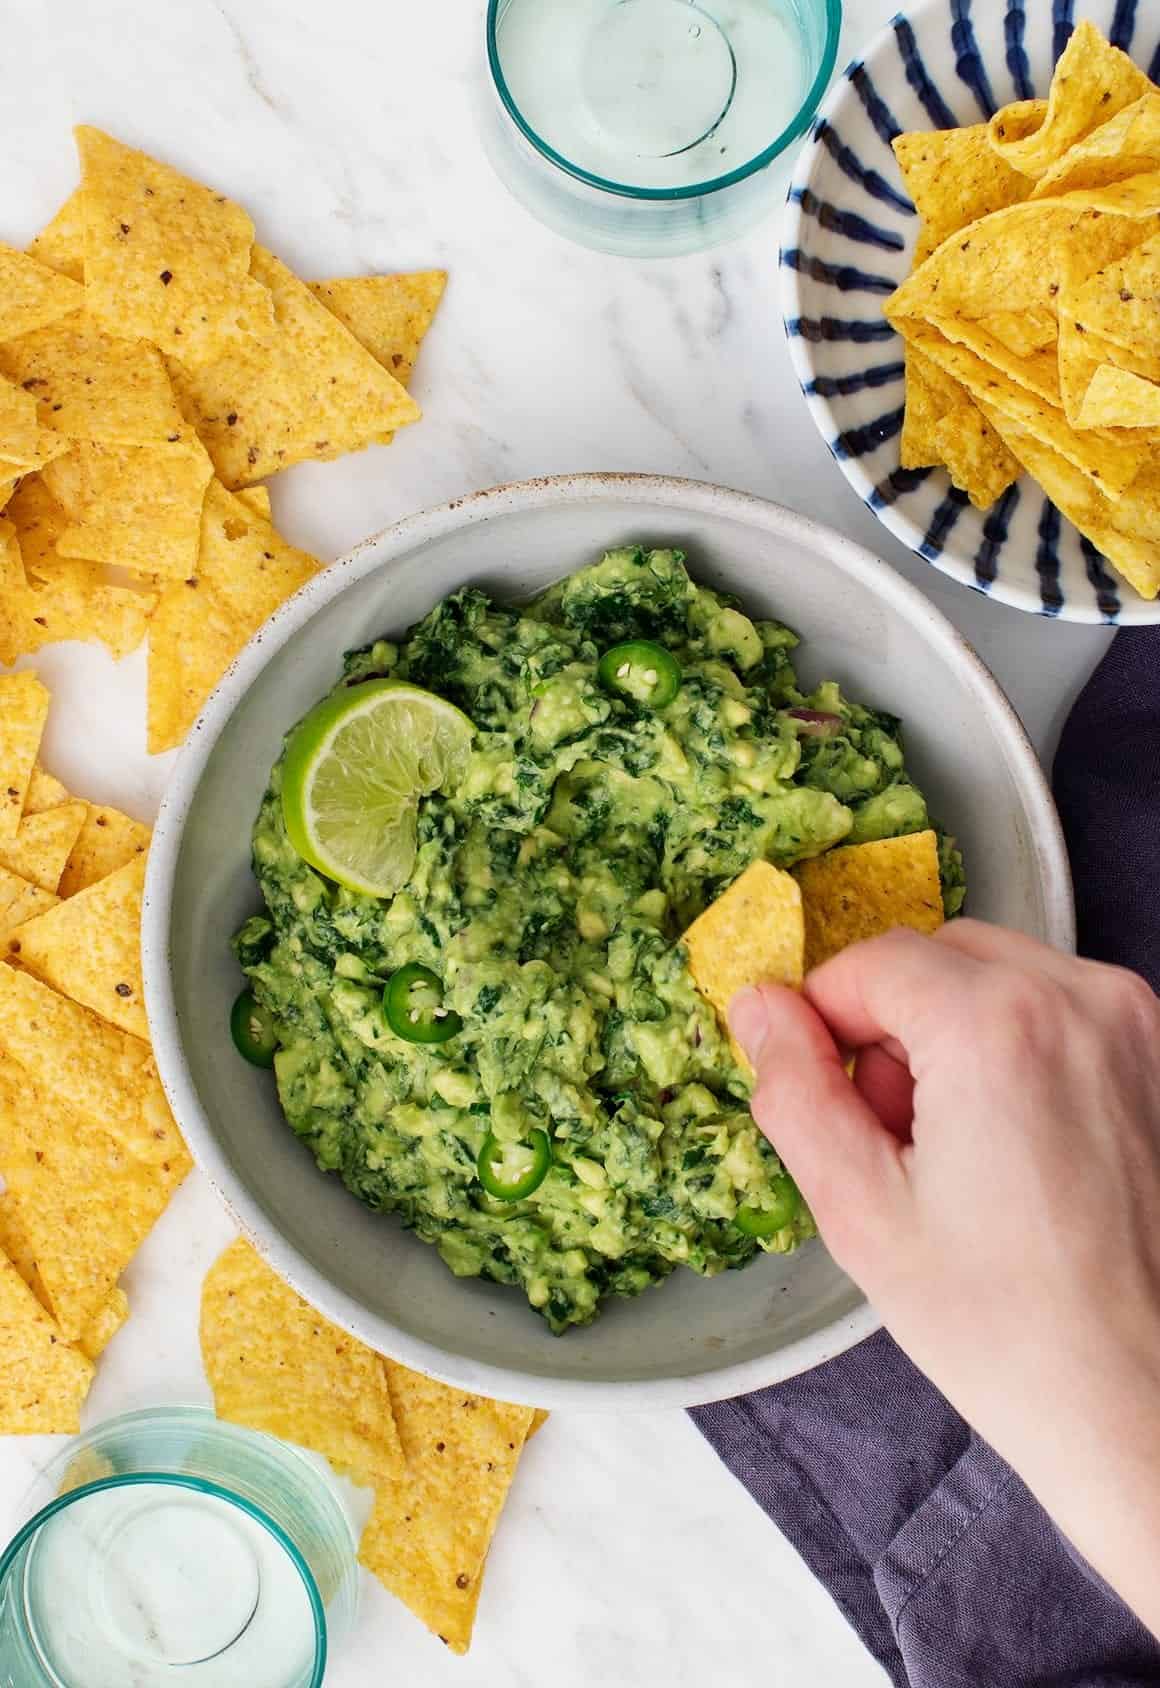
x: 548, y: 898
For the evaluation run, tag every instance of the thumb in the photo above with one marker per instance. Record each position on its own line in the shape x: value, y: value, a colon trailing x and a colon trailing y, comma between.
x: 847, y: 1165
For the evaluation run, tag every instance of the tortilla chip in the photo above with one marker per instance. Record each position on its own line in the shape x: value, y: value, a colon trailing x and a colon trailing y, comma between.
x: 428, y: 1536
x: 929, y: 395
x: 954, y: 177
x: 19, y: 426
x: 64, y: 597
x: 1022, y: 332
x: 107, y: 841
x: 45, y: 791
x: 1007, y: 259
x: 1127, y: 145
x: 104, y: 1325
x: 388, y: 314
x: 138, y: 507
x: 753, y: 934
x: 276, y: 1365
x: 23, y: 711
x: 89, y: 948
x: 1092, y: 82
x: 61, y: 242
x: 1107, y: 463
x: 8, y: 485
x: 94, y: 387
x: 539, y: 1418
x: 311, y: 392
x: 14, y: 634
x: 256, y: 498
x: 1081, y: 502
x: 861, y: 890
x: 1140, y: 360
x: 975, y: 457
x: 99, y: 1072
x: 1121, y: 300
x: 42, y: 844
x: 1117, y: 399
x: 166, y: 259
x: 42, y: 1380
x: 20, y: 900
x: 245, y: 570
x: 31, y: 294
x: 83, y: 1203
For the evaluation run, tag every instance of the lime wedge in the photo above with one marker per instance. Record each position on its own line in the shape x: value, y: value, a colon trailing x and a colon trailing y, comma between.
x: 355, y: 769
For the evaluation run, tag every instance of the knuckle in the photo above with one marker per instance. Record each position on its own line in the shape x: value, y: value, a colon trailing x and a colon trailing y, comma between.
x: 1133, y: 1002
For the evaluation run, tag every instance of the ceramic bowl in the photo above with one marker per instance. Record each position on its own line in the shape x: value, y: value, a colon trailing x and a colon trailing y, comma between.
x: 691, y: 1340
x: 848, y: 238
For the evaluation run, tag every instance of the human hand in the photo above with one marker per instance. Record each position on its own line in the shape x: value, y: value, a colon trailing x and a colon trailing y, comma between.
x: 991, y: 1178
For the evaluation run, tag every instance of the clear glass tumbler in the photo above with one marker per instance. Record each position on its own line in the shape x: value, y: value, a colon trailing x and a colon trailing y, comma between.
x: 166, y: 1549
x: 647, y: 127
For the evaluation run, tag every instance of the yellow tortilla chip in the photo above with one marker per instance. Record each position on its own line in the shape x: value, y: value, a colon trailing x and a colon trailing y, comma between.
x: 166, y: 259
x: 975, y: 457
x: 1115, y: 398
x: 1121, y: 300
x: 929, y: 395
x: 245, y: 570
x: 428, y: 1536
x: 104, y: 1325
x: 1092, y: 82
x: 89, y: 947
x: 539, y: 1418
x: 8, y: 485
x: 64, y: 597
x: 82, y: 1202
x: 276, y: 1365
x: 388, y: 314
x: 31, y: 294
x: 311, y: 392
x: 1107, y: 463
x: 42, y: 1380
x: 1022, y: 332
x: 861, y: 890
x: 1007, y: 259
x: 1038, y: 371
x: 19, y: 426
x: 42, y: 844
x: 1140, y: 360
x: 14, y: 633
x: 138, y: 507
x: 954, y: 177
x: 256, y: 498
x: 1081, y: 502
x: 99, y: 1072
x: 1127, y: 145
x: 107, y: 840
x: 92, y: 386
x: 753, y: 934
x: 61, y: 242
x: 45, y: 791
x: 20, y: 900
x: 23, y: 711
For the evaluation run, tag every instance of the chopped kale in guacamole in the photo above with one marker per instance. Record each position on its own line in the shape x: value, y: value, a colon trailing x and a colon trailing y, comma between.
x: 548, y: 898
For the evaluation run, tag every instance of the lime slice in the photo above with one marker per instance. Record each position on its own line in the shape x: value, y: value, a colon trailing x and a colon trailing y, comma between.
x: 355, y: 769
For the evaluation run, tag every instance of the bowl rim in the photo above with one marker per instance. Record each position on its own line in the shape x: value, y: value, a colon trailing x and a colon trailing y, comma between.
x: 797, y: 124
x: 1135, y: 611
x: 692, y: 497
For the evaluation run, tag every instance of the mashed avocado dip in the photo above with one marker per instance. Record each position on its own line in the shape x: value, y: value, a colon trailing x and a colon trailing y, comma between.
x: 510, y: 1053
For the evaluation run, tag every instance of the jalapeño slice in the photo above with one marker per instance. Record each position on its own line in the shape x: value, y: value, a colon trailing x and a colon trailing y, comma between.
x: 511, y: 1171
x: 413, y: 1006
x: 253, y: 1030
x: 641, y: 670
x: 767, y: 1221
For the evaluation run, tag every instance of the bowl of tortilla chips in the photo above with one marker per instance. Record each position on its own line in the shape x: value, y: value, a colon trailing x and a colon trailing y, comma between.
x: 693, y: 1339
x: 971, y: 290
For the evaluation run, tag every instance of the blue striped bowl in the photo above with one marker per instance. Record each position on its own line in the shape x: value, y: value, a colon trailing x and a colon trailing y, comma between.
x: 849, y: 235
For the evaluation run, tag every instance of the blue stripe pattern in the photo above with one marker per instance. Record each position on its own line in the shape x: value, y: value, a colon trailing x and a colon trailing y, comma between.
x: 967, y: 61
x: 847, y: 161
x: 848, y: 194
x: 1018, y: 63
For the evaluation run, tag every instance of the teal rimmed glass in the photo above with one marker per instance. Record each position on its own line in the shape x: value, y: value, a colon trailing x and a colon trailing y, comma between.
x: 648, y: 127
x: 167, y: 1547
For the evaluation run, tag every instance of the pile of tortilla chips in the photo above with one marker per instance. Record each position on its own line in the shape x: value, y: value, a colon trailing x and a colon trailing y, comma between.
x: 440, y: 1461
x: 772, y: 927
x: 1032, y: 317
x: 89, y: 1153
x: 154, y: 364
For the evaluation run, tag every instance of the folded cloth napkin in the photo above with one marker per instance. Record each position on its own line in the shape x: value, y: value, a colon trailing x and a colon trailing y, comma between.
x: 950, y: 1571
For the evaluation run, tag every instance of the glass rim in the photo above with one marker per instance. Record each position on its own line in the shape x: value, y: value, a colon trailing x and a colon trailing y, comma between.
x: 199, y: 1485
x: 696, y: 190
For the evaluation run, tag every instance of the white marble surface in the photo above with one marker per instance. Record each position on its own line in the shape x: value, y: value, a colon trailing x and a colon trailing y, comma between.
x: 628, y: 1555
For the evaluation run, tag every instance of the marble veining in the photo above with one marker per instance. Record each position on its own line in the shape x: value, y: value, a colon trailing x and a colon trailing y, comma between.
x: 628, y: 1557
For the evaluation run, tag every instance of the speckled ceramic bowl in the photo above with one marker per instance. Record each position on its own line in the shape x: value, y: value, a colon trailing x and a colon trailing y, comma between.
x: 691, y: 1340
x: 847, y: 242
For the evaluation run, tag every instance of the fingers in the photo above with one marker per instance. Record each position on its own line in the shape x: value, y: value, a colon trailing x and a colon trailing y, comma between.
x: 846, y: 1164
x: 886, y: 1085
x: 900, y: 987
x: 976, y: 939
